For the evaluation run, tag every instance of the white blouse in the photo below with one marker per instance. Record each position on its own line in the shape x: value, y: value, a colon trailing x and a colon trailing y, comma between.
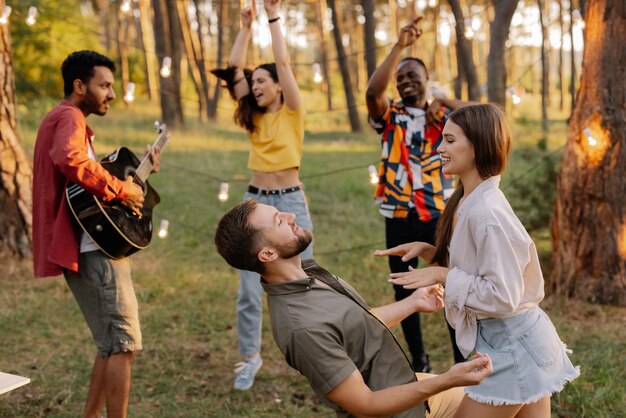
x: 494, y: 266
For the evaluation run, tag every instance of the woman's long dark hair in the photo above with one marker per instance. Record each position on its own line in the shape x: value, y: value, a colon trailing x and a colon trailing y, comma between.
x: 487, y: 129
x: 247, y: 105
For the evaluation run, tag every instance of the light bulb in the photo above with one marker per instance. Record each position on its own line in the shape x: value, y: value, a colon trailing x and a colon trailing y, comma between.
x: 590, y: 139
x: 31, y: 18
x: 373, y: 174
x: 6, y: 12
x: 125, y: 7
x: 163, y: 228
x: 223, y: 194
x: 130, y: 93
x: 166, y: 67
x: 317, y: 73
x: 577, y: 19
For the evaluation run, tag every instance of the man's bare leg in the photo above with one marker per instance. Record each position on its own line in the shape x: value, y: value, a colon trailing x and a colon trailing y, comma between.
x: 117, y: 383
x: 95, y: 395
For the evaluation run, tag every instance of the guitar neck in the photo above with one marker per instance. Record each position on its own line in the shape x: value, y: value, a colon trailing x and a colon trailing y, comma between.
x: 146, y: 165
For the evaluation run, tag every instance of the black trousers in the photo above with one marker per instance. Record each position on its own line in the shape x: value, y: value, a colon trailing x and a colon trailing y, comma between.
x: 401, y: 231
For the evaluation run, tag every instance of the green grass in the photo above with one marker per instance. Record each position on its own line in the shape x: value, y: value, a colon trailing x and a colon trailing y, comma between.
x: 187, y: 293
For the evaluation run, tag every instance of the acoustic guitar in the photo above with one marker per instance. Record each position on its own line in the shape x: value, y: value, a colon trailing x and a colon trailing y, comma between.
x: 114, y: 228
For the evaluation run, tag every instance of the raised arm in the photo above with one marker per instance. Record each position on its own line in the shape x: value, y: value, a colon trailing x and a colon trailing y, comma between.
x: 291, y: 91
x: 353, y: 395
x: 375, y: 96
x: 240, y: 49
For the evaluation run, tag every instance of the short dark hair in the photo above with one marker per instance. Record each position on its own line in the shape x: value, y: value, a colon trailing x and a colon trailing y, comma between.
x: 236, y: 240
x: 417, y: 60
x: 80, y: 65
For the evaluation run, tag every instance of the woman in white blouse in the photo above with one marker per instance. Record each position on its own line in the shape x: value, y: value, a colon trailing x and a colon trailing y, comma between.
x: 490, y: 269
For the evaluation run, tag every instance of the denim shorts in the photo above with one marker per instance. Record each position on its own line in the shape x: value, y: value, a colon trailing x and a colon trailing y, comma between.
x: 529, y: 360
x: 104, y: 291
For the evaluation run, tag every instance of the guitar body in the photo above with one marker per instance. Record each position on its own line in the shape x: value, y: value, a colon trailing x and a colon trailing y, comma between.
x: 112, y: 226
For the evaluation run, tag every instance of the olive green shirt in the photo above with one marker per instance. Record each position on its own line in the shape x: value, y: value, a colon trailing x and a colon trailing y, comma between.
x: 326, y: 333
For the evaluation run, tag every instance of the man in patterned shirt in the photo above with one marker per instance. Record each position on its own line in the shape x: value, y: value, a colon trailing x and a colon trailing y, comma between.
x: 412, y: 190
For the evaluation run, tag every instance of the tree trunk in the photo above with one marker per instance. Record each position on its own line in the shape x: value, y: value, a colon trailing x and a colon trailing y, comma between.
x: 369, y: 39
x: 149, y: 54
x: 572, y: 82
x: 222, y: 17
x: 499, y: 32
x: 122, y: 44
x: 320, y: 10
x: 167, y: 42
x: 545, y: 67
x: 196, y: 65
x: 561, y: 52
x: 465, y: 60
x: 355, y: 123
x: 589, y: 224
x: 15, y: 171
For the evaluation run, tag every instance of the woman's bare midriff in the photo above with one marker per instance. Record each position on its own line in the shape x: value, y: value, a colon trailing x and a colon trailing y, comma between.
x: 276, y: 179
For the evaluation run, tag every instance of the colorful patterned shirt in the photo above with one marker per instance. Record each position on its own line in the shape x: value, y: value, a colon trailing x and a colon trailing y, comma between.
x: 410, y: 174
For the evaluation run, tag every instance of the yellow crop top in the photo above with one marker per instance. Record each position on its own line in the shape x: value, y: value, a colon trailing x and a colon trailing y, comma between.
x: 277, y: 140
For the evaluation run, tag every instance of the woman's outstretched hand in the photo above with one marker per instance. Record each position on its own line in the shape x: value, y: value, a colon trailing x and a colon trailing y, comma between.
x: 416, y: 278
x: 409, y: 250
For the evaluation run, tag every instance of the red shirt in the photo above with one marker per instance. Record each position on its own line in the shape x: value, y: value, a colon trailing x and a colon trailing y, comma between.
x: 62, y: 154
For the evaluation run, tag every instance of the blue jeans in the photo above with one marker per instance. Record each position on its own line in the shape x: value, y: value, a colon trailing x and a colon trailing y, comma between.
x: 249, y: 303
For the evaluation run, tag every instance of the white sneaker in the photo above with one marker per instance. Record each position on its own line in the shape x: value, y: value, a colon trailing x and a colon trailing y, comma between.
x: 246, y: 371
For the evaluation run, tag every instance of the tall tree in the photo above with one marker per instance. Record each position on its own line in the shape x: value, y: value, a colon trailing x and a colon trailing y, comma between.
x: 499, y: 32
x: 222, y: 20
x: 15, y: 171
x: 194, y: 59
x: 149, y: 53
x: 369, y: 40
x: 353, y: 114
x: 122, y: 42
x: 589, y: 224
x: 168, y: 44
x: 561, y: 52
x: 320, y: 10
x: 465, y: 58
x: 545, y: 66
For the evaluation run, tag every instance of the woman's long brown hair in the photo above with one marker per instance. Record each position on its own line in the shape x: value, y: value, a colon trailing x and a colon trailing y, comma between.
x: 247, y: 106
x: 487, y: 129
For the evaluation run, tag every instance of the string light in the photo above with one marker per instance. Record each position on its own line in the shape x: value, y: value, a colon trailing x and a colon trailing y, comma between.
x: 516, y: 96
x: 432, y: 3
x: 163, y: 228
x: 420, y: 5
x: 166, y: 67
x: 373, y: 174
x: 223, y: 194
x: 125, y: 7
x: 6, y: 12
x: 590, y: 139
x: 130, y: 93
x: 579, y: 22
x: 31, y: 19
x: 317, y: 73
x: 469, y: 32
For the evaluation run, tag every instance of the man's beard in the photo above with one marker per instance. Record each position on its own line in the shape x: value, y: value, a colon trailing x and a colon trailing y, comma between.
x: 90, y: 104
x: 296, y: 247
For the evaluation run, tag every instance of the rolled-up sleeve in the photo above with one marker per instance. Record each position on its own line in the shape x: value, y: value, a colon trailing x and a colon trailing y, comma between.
x: 70, y: 154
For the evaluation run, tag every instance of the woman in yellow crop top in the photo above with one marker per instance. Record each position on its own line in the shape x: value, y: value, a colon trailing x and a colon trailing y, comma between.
x: 270, y: 110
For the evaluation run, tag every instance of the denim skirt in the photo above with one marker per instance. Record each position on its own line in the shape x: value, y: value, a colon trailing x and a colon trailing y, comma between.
x: 529, y: 360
